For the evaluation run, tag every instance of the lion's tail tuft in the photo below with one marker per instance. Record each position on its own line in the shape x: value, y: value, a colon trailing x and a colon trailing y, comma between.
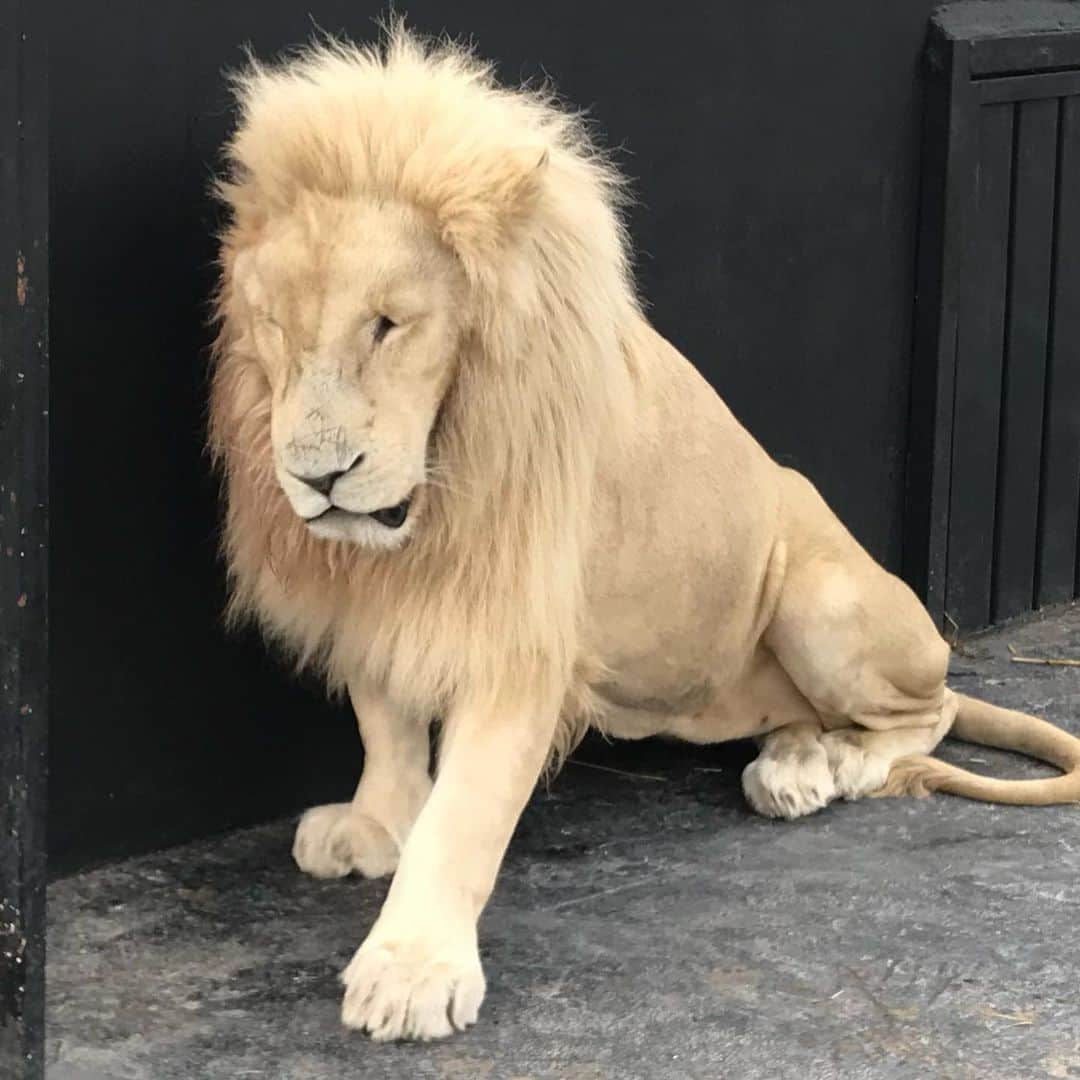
x: 990, y: 725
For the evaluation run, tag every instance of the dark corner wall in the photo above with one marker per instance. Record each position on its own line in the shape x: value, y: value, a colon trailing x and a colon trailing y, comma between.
x: 774, y: 148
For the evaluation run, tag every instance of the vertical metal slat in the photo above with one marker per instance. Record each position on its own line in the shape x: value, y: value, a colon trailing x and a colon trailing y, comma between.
x: 1023, y: 383
x: 1059, y: 502
x: 977, y: 405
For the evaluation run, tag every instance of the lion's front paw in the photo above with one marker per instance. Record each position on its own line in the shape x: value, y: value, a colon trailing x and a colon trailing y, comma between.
x: 334, y: 840
x: 412, y: 991
x: 789, y: 785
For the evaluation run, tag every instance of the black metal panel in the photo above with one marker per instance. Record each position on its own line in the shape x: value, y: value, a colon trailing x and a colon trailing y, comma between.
x: 1023, y: 385
x: 993, y: 476
x: 24, y: 387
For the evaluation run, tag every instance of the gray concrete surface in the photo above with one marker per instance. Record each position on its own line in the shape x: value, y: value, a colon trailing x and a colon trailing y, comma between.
x: 645, y: 926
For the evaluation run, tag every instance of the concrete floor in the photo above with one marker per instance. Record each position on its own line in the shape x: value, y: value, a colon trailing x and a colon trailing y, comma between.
x: 645, y: 926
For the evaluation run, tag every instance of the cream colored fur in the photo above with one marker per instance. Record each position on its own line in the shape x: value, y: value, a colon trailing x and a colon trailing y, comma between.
x: 592, y: 537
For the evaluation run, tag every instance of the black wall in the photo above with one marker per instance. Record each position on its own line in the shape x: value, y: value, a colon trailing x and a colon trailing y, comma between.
x: 774, y: 148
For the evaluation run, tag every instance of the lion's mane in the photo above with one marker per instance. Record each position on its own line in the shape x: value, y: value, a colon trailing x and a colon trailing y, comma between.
x: 485, y: 601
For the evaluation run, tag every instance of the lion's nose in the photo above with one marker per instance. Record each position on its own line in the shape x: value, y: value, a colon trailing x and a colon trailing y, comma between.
x: 323, y: 484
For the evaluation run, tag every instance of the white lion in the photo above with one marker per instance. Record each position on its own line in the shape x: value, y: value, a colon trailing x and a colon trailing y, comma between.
x: 466, y: 479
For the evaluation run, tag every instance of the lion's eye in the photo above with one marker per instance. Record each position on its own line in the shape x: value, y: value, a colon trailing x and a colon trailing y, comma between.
x: 383, y: 326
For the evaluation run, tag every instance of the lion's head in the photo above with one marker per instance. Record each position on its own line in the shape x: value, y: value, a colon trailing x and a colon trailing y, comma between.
x: 356, y: 311
x: 368, y: 227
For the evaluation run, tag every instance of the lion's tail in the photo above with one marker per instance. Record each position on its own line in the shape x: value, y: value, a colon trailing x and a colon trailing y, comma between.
x: 990, y: 725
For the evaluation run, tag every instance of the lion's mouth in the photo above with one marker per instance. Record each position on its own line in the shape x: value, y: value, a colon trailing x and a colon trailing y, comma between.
x: 389, y: 517
x: 392, y: 517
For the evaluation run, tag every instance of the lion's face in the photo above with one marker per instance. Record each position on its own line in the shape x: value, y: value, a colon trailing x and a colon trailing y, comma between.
x: 356, y: 314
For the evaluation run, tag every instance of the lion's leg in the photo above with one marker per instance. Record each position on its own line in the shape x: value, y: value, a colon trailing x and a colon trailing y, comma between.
x: 367, y: 834
x: 418, y: 973
x: 863, y: 651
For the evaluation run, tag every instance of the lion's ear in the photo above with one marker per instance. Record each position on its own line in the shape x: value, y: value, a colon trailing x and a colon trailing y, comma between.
x: 489, y: 200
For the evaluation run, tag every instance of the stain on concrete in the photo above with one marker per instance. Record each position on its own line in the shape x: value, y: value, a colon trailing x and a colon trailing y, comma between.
x: 21, y: 280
